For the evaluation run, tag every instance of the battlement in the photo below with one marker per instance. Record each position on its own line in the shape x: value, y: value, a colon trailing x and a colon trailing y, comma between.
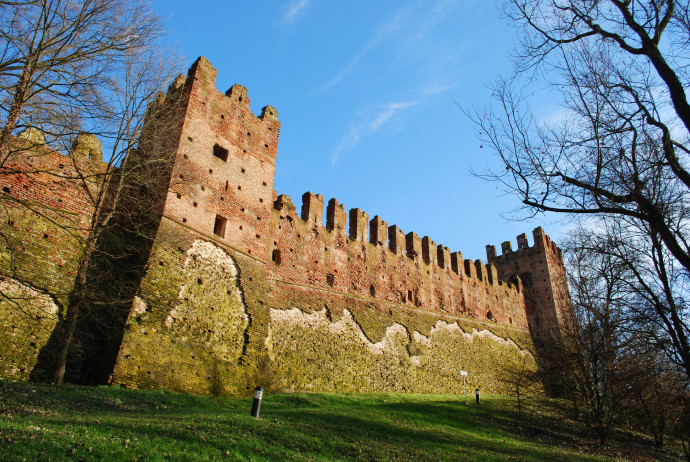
x: 380, y: 262
x: 377, y: 233
x: 233, y: 276
x: 541, y: 265
x: 203, y: 72
x: 87, y: 146
x: 86, y: 150
x: 542, y: 242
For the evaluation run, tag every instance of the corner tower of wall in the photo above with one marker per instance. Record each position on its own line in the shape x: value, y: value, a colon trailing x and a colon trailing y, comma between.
x: 222, y: 182
x: 541, y: 269
x: 199, y: 321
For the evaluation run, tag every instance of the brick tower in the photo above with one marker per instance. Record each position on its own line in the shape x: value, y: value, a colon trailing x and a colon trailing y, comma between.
x: 222, y: 179
x: 541, y: 269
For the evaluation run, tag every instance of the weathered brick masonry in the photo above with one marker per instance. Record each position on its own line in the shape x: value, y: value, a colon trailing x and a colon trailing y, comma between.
x: 242, y: 288
x: 46, y: 211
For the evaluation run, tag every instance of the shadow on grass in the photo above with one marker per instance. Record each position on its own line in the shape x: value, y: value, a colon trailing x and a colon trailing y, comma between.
x: 27, y: 399
x: 427, y: 428
x: 292, y: 427
x: 464, y: 416
x: 314, y: 435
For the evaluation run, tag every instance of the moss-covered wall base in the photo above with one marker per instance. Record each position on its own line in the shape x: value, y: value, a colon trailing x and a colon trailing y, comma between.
x: 318, y: 351
x: 27, y: 317
x: 199, y: 323
x: 207, y: 320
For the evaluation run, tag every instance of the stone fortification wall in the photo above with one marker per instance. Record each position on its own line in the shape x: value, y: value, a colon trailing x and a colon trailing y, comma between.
x: 352, y: 305
x: 381, y: 263
x: 200, y: 319
x: 240, y: 288
x: 548, y: 298
x: 210, y: 319
x: 47, y: 205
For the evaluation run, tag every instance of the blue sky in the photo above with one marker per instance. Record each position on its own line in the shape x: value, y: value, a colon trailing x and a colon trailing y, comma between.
x: 368, y: 94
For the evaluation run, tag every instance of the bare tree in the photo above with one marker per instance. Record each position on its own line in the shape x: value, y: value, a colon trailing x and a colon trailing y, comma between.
x: 594, y: 339
x: 620, y: 148
x: 522, y: 378
x: 66, y: 67
x: 656, y: 396
x: 124, y: 207
x: 59, y: 60
x: 615, y: 358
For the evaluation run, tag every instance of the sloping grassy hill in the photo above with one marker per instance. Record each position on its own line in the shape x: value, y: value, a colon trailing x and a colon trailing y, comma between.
x: 40, y: 422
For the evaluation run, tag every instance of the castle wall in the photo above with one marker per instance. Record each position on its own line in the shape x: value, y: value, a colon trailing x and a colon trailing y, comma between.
x: 46, y: 212
x: 350, y: 314
x: 307, y: 253
x: 209, y: 320
x: 243, y: 288
x: 200, y: 320
x: 548, y: 298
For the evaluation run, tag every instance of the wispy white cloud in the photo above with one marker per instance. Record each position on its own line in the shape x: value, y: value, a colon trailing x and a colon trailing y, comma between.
x: 344, y: 71
x: 436, y: 87
x: 389, y: 111
x: 294, y: 9
x: 412, y: 45
x: 372, y: 121
x: 369, y: 123
x: 405, y: 27
x: 385, y: 31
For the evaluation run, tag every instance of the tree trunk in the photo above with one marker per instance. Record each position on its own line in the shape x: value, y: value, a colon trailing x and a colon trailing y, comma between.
x: 16, y: 108
x: 74, y: 304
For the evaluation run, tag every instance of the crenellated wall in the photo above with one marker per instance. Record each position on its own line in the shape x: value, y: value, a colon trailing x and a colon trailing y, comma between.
x: 47, y: 203
x: 548, y: 302
x: 241, y: 287
x: 365, y: 264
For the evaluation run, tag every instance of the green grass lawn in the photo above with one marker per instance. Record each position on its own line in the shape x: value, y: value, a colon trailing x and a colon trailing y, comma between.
x: 39, y: 422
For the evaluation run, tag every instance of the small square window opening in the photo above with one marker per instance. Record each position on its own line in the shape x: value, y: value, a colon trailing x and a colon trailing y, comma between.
x: 219, y: 226
x: 220, y: 152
